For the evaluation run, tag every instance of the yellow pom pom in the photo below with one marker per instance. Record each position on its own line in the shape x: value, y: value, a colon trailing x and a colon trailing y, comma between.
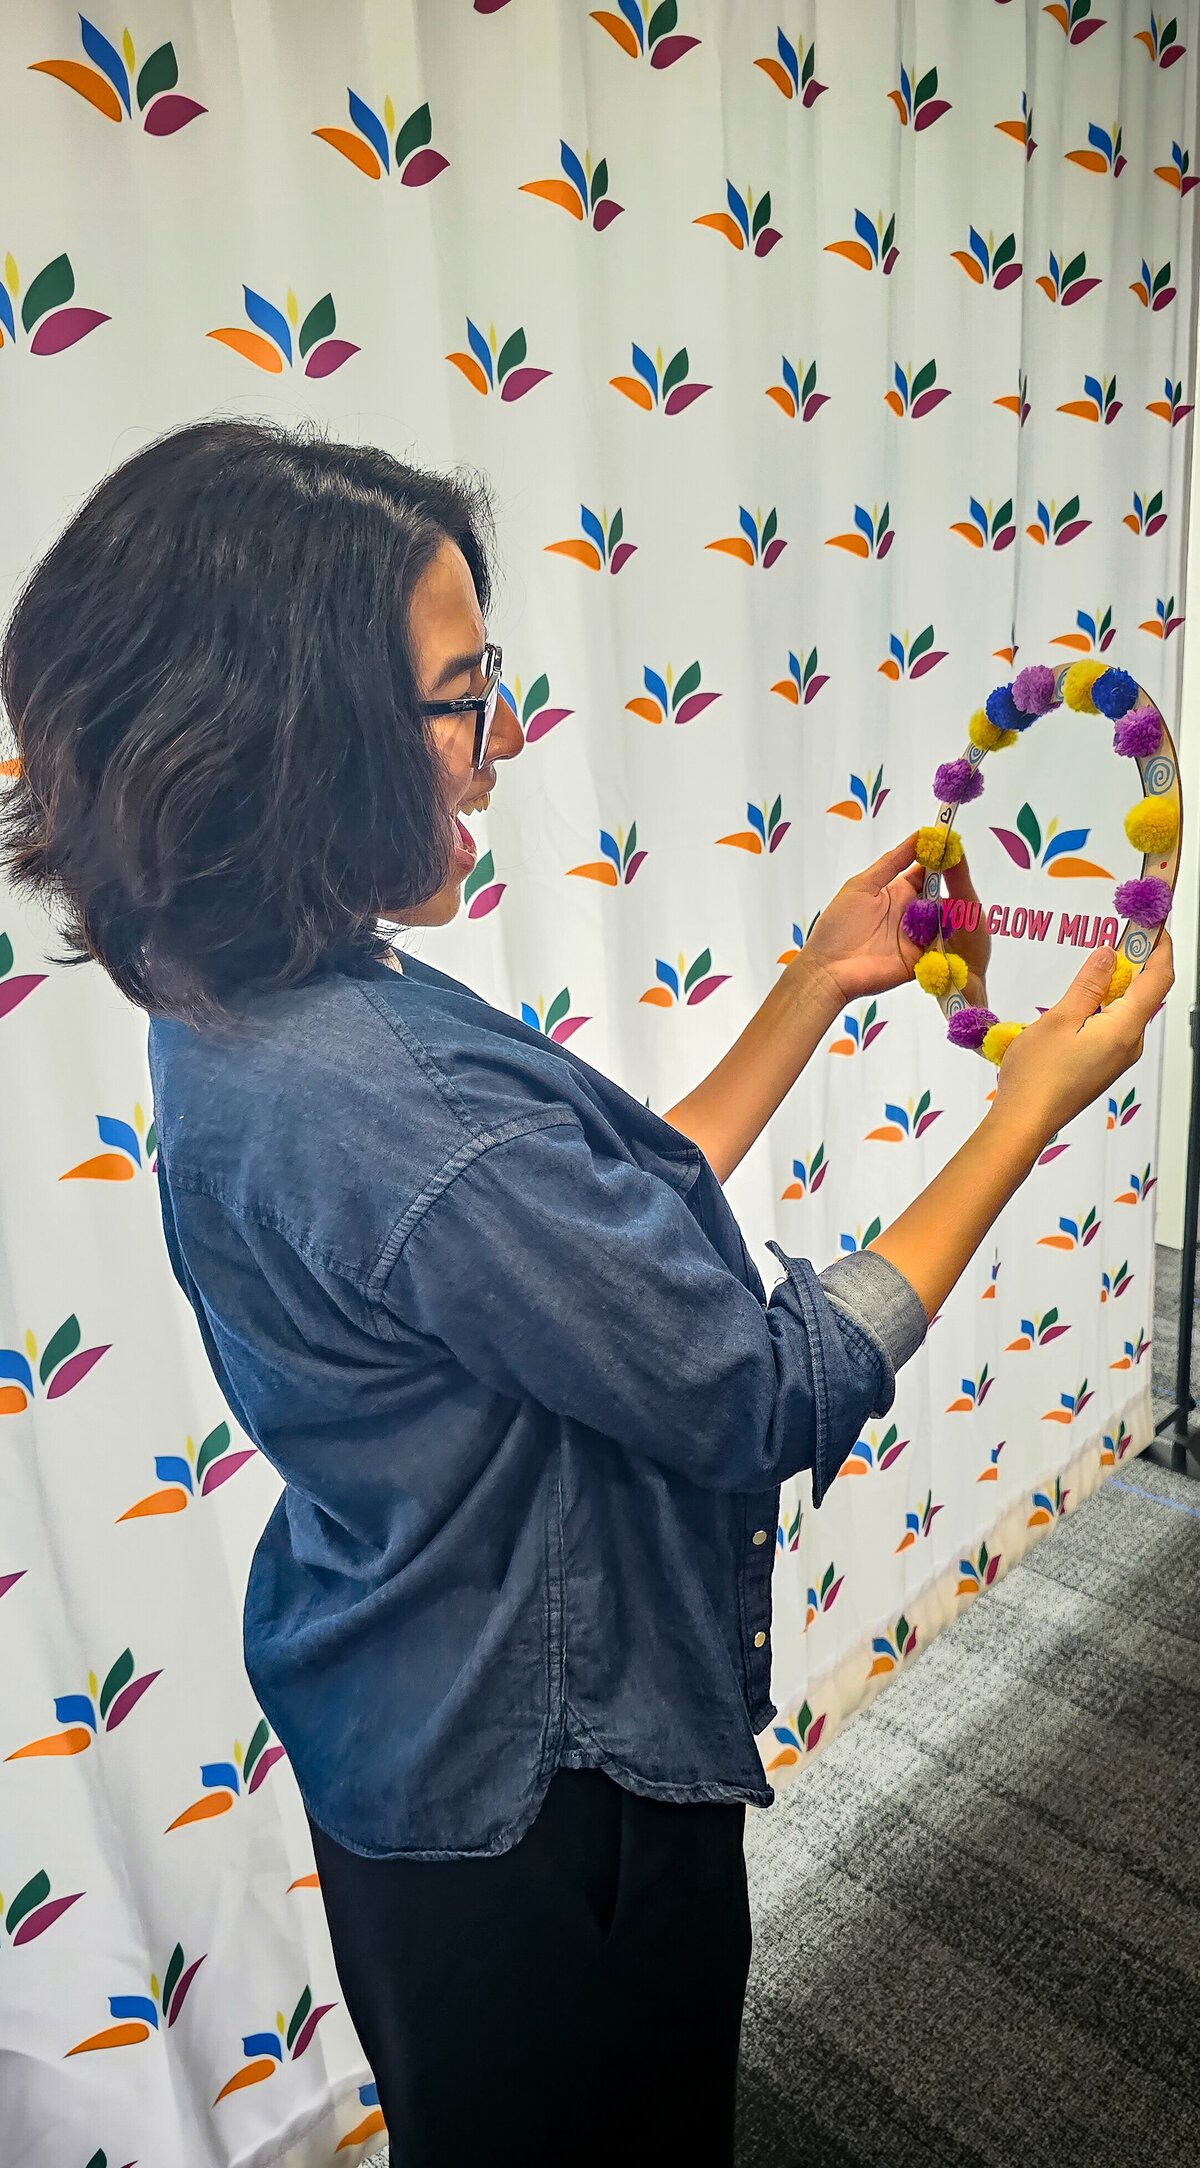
x: 938, y: 847
x: 1151, y: 825
x: 932, y: 971
x: 1078, y: 683
x: 997, y: 1041
x: 1122, y: 977
x: 988, y: 735
x: 958, y: 969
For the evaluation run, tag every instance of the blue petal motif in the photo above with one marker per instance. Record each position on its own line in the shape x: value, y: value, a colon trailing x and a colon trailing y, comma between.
x: 896, y: 645
x: 979, y: 249
x: 219, y: 1772
x: 787, y: 53
x: 262, y: 2044
x: 608, y: 845
x: 749, y: 527
x: 667, y: 976
x: 858, y: 789
x: 1091, y: 386
x: 107, y: 59
x: 14, y: 1365
x: 6, y: 311
x: 575, y: 174
x: 656, y: 688
x: 369, y: 125
x: 593, y: 530
x: 864, y: 523
x: 481, y: 350
x: 173, y: 1468
x: 529, y: 1015
x: 134, y: 2006
x: 897, y: 1115
x: 633, y: 15
x: 790, y: 377
x: 75, y: 1709
x: 738, y: 208
x: 901, y: 381
x: 646, y: 369
x: 754, y: 816
x: 866, y: 232
x: 269, y: 319
x: 1100, y: 140
x: 978, y: 514
x: 1068, y: 839
x: 120, y: 1136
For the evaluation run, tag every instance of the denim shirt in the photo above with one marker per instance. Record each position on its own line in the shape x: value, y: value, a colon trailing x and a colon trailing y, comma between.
x: 495, y: 1325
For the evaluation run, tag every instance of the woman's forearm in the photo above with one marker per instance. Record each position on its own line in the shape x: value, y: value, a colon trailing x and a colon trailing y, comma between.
x: 735, y: 1101
x: 935, y: 1239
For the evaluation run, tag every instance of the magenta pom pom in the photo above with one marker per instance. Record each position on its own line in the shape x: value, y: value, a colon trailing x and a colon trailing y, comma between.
x: 1138, y: 734
x: 921, y: 921
x: 1114, y: 693
x: 957, y: 782
x: 970, y: 1027
x: 1033, y: 689
x: 1145, y: 902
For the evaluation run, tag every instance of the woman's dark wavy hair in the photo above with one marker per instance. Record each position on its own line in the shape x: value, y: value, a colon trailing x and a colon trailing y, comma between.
x: 224, y: 780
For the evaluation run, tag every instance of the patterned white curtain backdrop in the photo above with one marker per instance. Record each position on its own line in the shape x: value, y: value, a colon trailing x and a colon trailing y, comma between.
x: 828, y: 360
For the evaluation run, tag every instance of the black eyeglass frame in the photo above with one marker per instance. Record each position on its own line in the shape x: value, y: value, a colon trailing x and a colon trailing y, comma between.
x: 483, y: 704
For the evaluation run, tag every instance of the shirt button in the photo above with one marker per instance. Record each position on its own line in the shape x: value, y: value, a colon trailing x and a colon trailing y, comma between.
x: 759, y: 1640
x: 759, y: 1536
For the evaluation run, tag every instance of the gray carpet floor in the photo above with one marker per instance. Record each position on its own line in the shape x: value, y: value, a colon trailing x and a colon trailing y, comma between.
x: 977, y: 1917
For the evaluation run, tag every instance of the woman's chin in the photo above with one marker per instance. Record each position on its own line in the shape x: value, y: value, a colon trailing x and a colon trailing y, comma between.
x: 438, y: 910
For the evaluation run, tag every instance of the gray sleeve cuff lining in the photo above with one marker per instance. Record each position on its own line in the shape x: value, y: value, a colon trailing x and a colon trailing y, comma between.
x: 882, y: 1303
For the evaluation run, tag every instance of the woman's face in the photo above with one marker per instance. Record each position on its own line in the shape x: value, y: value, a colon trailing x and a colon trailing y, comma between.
x: 448, y: 639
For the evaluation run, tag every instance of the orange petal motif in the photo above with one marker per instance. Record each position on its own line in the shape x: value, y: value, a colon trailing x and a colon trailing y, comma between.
x: 583, y: 553
x: 13, y: 767
x: 794, y: 1189
x: 1142, y: 37
x: 744, y: 840
x: 87, y: 81
x: 856, y: 544
x: 1061, y: 17
x: 788, y: 688
x: 159, y: 1501
x: 881, y: 1664
x: 782, y: 81
x: 1077, y: 640
x: 1047, y: 286
x: 849, y: 808
x: 842, y: 1046
x: 559, y: 192
x: 113, y: 2036
x: 250, y: 2074
x: 895, y: 402
x: 1092, y: 161
x: 1013, y: 128
x: 601, y: 869
x: 1010, y: 402
x: 352, y: 147
x: 1163, y: 411
x: 657, y: 996
x: 202, y: 1810
x: 471, y: 370
x: 1077, y: 869
x: 1167, y: 174
x: 251, y: 346
x: 304, y: 1881
x: 634, y: 389
x: 13, y: 1400
x: 1130, y: 521
x: 783, y: 398
x: 105, y: 1167
x: 1086, y: 409
x: 1055, y: 1242
x: 889, y: 1134
x: 973, y: 269
x: 1151, y: 625
x: 370, y: 2127
x: 649, y: 710
x: 898, y: 102
x: 71, y: 1741
x: 734, y: 545
x: 969, y: 532
x: 722, y: 223
x: 890, y: 669
x: 618, y: 29
x: 853, y: 251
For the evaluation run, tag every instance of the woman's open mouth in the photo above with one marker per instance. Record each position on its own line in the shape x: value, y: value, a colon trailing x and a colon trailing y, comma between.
x: 465, y: 853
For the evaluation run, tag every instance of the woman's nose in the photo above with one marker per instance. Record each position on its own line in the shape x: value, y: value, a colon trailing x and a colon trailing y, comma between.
x: 507, y: 737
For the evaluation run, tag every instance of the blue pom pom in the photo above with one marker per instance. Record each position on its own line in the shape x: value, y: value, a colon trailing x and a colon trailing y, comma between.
x: 1114, y: 693
x: 1002, y: 710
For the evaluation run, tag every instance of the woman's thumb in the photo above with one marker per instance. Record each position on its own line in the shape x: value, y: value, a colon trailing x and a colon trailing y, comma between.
x: 1089, y: 985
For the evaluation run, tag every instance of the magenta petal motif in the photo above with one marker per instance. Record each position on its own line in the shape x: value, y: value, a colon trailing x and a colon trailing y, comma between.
x: 328, y: 356
x: 65, y: 328
x: 170, y: 113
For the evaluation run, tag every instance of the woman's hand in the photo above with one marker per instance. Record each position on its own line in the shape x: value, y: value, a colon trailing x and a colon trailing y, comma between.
x: 857, y: 942
x: 1076, y: 1050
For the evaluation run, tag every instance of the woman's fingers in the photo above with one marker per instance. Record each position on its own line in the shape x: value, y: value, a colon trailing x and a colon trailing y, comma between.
x: 958, y: 881
x: 897, y: 860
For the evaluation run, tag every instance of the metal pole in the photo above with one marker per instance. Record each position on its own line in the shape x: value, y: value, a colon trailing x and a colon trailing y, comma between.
x: 1185, y: 1442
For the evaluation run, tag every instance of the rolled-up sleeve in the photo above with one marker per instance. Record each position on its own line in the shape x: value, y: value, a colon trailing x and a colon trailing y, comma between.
x: 582, y: 1282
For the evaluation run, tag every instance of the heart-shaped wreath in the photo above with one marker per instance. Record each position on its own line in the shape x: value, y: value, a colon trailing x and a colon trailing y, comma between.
x: 1153, y: 826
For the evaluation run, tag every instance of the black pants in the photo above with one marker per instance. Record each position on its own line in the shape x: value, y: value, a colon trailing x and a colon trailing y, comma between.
x: 575, y: 1999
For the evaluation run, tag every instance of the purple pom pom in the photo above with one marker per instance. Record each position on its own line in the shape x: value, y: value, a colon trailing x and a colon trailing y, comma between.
x: 1033, y: 689
x: 1002, y: 710
x: 970, y: 1027
x: 1114, y: 693
x: 1138, y: 734
x: 957, y: 782
x: 920, y: 922
x: 1145, y: 902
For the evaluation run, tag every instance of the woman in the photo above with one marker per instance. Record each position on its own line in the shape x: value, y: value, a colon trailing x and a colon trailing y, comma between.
x: 490, y: 1318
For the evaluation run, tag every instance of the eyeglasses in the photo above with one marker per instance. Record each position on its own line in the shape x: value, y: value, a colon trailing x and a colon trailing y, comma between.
x: 482, y: 705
